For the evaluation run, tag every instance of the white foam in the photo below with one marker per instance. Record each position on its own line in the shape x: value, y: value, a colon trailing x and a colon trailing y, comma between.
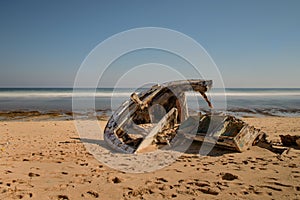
x: 249, y: 94
x: 61, y: 94
x: 108, y: 94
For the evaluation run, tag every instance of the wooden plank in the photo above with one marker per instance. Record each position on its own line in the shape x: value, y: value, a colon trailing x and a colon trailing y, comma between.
x: 168, y: 120
x: 246, y: 137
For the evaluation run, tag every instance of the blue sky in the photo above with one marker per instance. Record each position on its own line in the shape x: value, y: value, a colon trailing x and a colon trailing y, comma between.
x: 254, y: 43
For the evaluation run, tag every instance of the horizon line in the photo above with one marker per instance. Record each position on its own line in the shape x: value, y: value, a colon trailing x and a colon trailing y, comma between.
x: 141, y: 87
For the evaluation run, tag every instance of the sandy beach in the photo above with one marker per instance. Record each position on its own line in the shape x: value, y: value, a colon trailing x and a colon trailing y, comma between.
x: 46, y: 160
x: 149, y: 100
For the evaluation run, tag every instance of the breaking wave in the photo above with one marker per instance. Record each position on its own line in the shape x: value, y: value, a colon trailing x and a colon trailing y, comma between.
x: 68, y: 93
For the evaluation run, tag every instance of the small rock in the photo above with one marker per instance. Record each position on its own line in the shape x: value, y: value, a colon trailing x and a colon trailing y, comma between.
x: 63, y: 197
x: 92, y: 193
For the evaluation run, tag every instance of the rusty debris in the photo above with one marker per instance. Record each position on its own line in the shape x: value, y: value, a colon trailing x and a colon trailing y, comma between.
x: 156, y: 116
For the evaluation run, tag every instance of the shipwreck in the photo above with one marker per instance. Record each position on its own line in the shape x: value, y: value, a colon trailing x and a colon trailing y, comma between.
x: 155, y: 116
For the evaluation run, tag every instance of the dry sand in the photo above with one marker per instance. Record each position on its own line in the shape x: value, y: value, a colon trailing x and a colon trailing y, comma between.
x: 45, y: 160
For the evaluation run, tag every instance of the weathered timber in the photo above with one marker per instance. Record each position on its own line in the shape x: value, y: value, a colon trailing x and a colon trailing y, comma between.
x: 167, y: 122
x: 149, y: 106
x: 224, y: 131
x: 158, y: 114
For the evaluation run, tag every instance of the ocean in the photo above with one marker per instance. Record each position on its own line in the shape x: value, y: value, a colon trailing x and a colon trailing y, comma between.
x: 240, y: 101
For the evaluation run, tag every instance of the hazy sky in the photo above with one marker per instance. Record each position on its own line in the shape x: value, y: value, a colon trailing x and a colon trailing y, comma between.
x: 254, y: 43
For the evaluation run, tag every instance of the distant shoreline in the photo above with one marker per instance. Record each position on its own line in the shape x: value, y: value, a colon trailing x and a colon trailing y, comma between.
x: 62, y: 115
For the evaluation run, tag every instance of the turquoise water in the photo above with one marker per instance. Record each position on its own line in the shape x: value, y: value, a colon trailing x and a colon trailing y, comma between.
x: 240, y: 101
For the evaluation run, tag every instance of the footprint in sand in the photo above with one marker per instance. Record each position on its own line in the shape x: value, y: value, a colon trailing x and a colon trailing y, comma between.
x: 262, y: 168
x: 162, y: 180
x: 31, y: 174
x: 139, y: 192
x: 62, y: 197
x: 177, y: 170
x: 210, y: 190
x: 21, y: 196
x: 228, y: 176
x: 196, y: 185
x: 296, y: 174
x: 276, y: 186
x: 93, y: 194
x: 8, y: 171
x: 270, y: 187
x: 163, y: 187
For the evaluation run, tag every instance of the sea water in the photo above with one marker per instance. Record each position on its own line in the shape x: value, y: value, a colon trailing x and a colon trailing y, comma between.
x: 239, y: 101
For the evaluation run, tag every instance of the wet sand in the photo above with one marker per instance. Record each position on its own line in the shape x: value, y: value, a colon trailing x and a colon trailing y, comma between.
x: 46, y: 160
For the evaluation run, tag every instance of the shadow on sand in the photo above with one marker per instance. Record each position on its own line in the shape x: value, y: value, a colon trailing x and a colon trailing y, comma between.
x: 194, y: 147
